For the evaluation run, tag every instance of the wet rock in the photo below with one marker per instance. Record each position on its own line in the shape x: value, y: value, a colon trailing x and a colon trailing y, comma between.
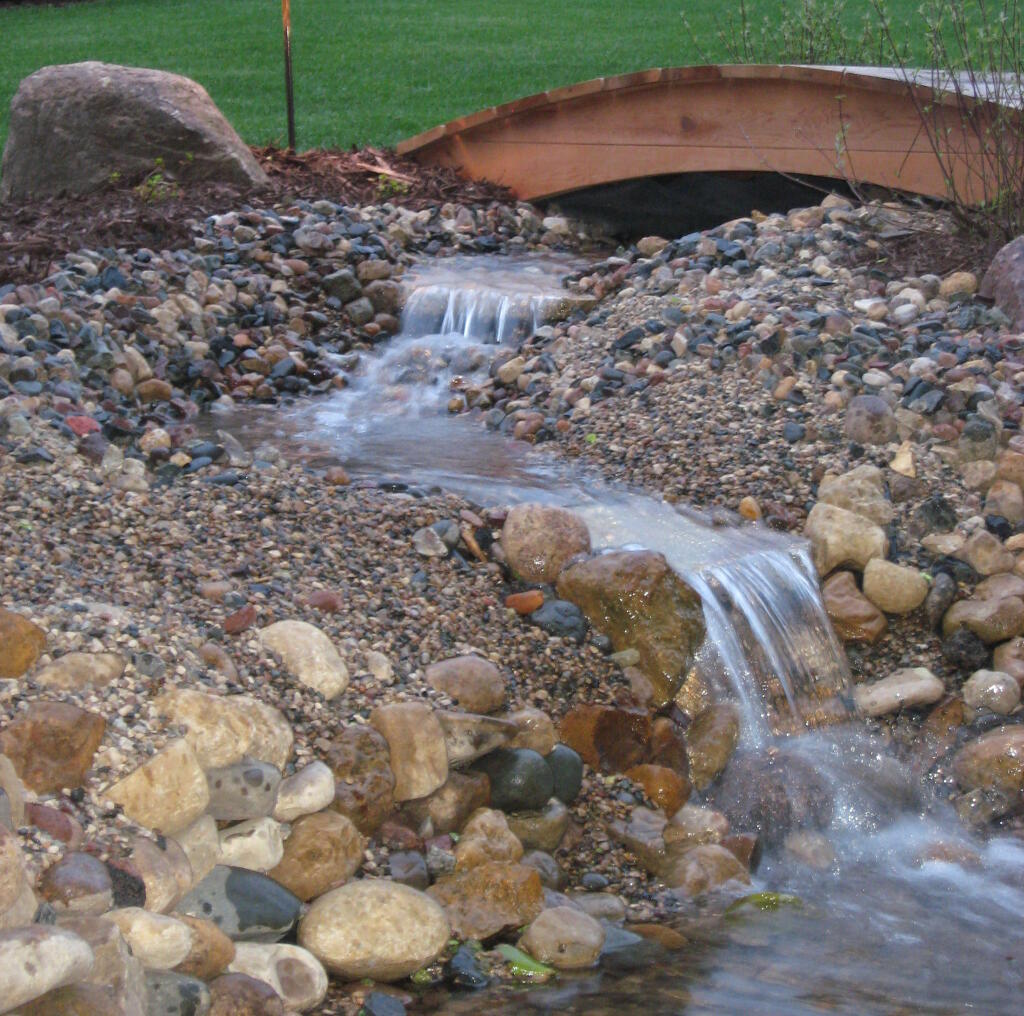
x: 1008, y: 658
x: 13, y: 790
x: 244, y: 790
x: 323, y: 851
x: 567, y: 772
x: 565, y: 938
x: 543, y: 829
x: 993, y: 761
x: 861, y: 491
x: 536, y: 731
x: 710, y: 741
x: 309, y: 790
x: 894, y: 588
x: 551, y: 874
x: 1005, y: 499
x: 449, y: 807
x: 964, y: 650
x: 635, y: 599
x: 989, y: 689
x: 608, y: 738
x: 810, y: 848
x: 308, y: 655
x: 409, y: 867
x: 469, y: 736
x: 991, y: 620
x: 464, y: 971
x: 37, y: 959
x: 489, y: 899
x: 294, y: 973
x: 158, y: 941
x: 939, y: 599
x: 986, y: 554
x: 374, y: 929
x: 665, y: 787
x: 171, y: 994
x: 245, y: 905
x: 909, y: 688
x: 210, y: 953
x: 854, y: 616
x: 869, y: 421
x: 79, y: 882
x: 255, y: 844
x: 520, y: 779
x: 486, y: 837
x: 474, y: 683
x: 237, y: 994
x: 538, y: 541
x: 364, y: 788
x: 416, y: 746
x: 694, y: 825
x: 839, y: 537
x: 561, y: 619
x: 703, y: 868
x: 166, y: 793
x: 21, y: 644
x: 75, y: 671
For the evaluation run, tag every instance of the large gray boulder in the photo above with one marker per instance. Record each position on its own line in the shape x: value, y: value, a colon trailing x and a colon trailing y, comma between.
x: 73, y: 126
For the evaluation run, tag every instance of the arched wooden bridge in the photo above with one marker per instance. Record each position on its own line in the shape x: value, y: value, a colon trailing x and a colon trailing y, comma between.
x: 855, y: 124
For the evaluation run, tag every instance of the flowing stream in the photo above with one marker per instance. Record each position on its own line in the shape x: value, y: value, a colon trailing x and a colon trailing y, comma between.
x: 908, y: 914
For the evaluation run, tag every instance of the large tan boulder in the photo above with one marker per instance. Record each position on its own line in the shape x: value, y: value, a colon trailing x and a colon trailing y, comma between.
x: 539, y: 539
x: 840, y: 537
x: 640, y: 603
x: 74, y: 126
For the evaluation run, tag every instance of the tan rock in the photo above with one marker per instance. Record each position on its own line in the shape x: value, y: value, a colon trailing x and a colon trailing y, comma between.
x: 994, y: 761
x: 854, y: 616
x: 703, y: 868
x: 294, y: 973
x: 989, y: 689
x: 309, y: 790
x: 909, y: 688
x: 158, y: 941
x: 991, y: 620
x: 538, y: 540
x: 1005, y: 499
x: 416, y: 745
x: 13, y: 880
x: 565, y: 938
x: 1008, y: 658
x: 165, y: 794
x: 665, y: 787
x: 474, y: 683
x: 200, y: 843
x: 469, y: 736
x: 217, y: 731
x: 323, y: 852
x: 448, y: 808
x: 486, y: 837
x: 536, y: 731
x: 489, y: 899
x: 840, y: 537
x: 211, y: 951
x: 272, y: 736
x: 308, y: 655
x: 710, y: 742
x: 75, y: 671
x: 985, y: 554
x: 894, y: 588
x: 256, y: 844
x: 694, y: 825
x: 21, y: 643
x: 38, y: 959
x: 862, y: 491
x: 541, y: 830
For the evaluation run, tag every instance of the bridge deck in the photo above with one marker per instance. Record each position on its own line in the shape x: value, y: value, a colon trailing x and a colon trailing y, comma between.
x: 856, y: 124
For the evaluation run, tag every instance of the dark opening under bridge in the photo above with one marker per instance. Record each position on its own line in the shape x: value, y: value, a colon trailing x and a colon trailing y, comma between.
x: 862, y: 125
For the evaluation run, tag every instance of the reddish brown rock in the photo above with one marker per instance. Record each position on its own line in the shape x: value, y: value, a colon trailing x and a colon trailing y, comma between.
x: 526, y: 602
x: 328, y: 600
x: 665, y: 787
x: 491, y: 898
x: 242, y: 995
x: 211, y: 950
x: 448, y: 808
x: 78, y: 881
x: 55, y: 823
x: 52, y: 745
x: 364, y: 788
x: 21, y: 643
x: 668, y: 746
x: 323, y: 851
x: 607, y: 738
x: 1004, y: 282
x: 244, y: 617
x: 154, y: 390
x: 539, y: 539
x: 855, y: 617
x: 474, y: 683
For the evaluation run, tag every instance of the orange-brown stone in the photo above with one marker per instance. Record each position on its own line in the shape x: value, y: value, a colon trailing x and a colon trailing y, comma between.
x: 364, y: 788
x: 607, y: 738
x: 855, y: 617
x: 52, y: 745
x: 21, y: 643
x: 489, y: 899
x: 665, y: 787
x: 526, y: 602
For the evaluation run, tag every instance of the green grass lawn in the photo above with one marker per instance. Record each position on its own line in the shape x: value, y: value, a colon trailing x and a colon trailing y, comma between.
x: 369, y: 71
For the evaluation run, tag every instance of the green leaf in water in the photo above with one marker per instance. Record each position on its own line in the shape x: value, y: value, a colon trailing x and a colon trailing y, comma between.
x: 422, y: 977
x: 522, y: 965
x: 591, y: 438
x: 765, y: 902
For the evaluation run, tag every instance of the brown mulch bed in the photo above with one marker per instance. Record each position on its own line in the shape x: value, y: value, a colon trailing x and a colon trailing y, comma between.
x: 33, y: 234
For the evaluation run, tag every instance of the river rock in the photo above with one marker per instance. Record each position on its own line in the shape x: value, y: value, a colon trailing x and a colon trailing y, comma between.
x: 694, y: 825
x: 840, y: 537
x: 869, y: 421
x: 1004, y: 499
x: 489, y: 899
x: 243, y: 790
x: 992, y: 690
x: 520, y: 779
x: 894, y: 588
x: 364, y: 783
x: 703, y: 868
x: 854, y: 616
x: 238, y: 994
x: 256, y: 844
x: 309, y: 790
x: 14, y: 789
x: 909, y: 688
x: 710, y: 742
x: 994, y: 761
x: 219, y: 732
x: 171, y: 994
x: 474, y: 683
x: 608, y: 738
x: 469, y: 736
x: 567, y: 772
x: 116, y: 972
x: 246, y: 905
x: 272, y: 737
x: 37, y: 959
x: 416, y: 746
x: 543, y: 829
x: 200, y: 843
x: 75, y: 671
x: 211, y: 950
x: 985, y: 554
x: 167, y: 793
x: 1003, y: 282
x: 565, y: 938
x: 486, y: 837
x: 164, y: 868
x: 51, y: 745
x: 308, y: 655
x: 665, y: 787
x: 79, y: 882
x: 322, y: 852
x: 448, y: 808
x: 539, y: 539
x: 21, y: 643
x: 374, y: 929
x: 13, y: 882
x: 74, y: 126
x: 294, y: 973
x: 636, y: 599
x: 535, y: 730
x: 996, y: 587
x: 158, y: 941
x: 1008, y: 658
x: 991, y: 620
x: 862, y: 491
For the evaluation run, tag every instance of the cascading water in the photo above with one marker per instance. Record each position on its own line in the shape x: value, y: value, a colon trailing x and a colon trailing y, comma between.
x: 886, y: 920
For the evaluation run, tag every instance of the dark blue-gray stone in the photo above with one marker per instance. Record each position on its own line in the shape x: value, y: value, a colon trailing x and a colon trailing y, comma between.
x: 520, y: 779
x: 561, y: 618
x: 567, y: 772
x: 245, y: 905
x: 170, y: 994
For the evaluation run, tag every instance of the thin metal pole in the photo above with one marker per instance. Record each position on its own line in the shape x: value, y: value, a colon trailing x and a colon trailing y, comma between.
x: 286, y: 17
